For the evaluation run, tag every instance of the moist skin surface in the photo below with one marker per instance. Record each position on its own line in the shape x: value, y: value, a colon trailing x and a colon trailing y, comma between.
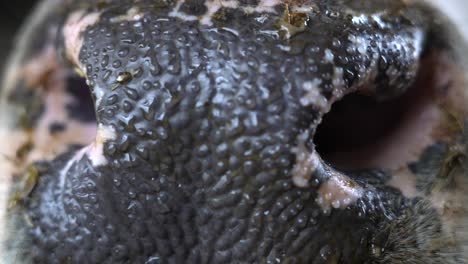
x: 235, y: 132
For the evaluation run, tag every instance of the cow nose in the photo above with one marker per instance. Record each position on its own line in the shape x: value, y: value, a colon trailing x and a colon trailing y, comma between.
x: 231, y: 133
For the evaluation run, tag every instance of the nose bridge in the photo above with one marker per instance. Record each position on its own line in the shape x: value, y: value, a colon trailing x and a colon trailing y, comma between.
x: 201, y: 91
x: 158, y: 80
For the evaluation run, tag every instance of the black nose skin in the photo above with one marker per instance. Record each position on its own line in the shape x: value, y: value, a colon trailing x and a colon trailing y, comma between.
x: 199, y: 124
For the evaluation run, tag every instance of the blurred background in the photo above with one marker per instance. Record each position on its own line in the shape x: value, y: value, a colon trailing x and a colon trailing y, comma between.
x: 12, y: 14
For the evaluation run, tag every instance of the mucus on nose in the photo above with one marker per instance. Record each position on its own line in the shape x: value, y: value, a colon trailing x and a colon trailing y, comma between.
x: 334, y: 189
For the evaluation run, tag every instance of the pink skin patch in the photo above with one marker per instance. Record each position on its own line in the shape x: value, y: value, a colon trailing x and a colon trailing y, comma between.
x: 94, y: 152
x: 338, y: 192
x: 133, y: 14
x: 76, y: 23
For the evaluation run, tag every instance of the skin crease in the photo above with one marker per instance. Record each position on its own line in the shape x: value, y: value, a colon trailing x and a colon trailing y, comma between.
x: 204, y: 152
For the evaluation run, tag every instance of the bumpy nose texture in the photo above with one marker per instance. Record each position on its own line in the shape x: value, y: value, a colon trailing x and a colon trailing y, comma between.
x: 201, y: 127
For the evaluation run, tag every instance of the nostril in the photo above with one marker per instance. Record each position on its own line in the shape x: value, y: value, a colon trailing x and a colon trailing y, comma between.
x: 82, y: 107
x: 361, y: 131
x: 357, y: 123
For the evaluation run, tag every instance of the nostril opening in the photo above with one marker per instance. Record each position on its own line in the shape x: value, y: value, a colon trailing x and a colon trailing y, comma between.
x: 361, y: 131
x: 82, y: 107
x: 355, y: 123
